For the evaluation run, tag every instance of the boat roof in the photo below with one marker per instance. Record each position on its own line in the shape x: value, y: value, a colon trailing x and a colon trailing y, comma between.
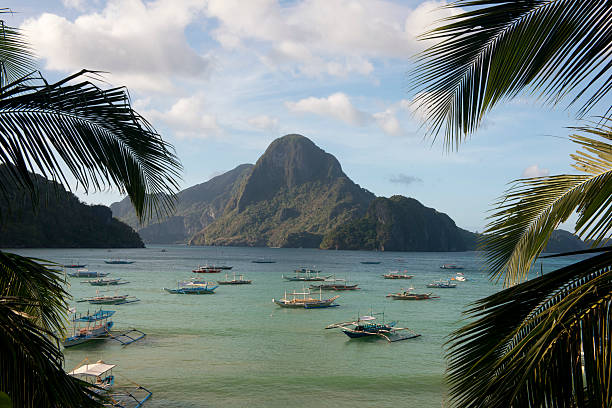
x: 366, y: 318
x: 93, y: 370
x: 99, y: 315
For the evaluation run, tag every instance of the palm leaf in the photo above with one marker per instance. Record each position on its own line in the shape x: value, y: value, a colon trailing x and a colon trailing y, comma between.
x: 32, y: 308
x: 530, y: 342
x: 529, y: 212
x: 16, y: 56
x: 94, y: 133
x: 497, y: 48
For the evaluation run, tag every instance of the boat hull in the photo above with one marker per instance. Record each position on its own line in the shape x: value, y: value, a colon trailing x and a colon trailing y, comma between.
x: 88, y: 335
x: 191, y: 291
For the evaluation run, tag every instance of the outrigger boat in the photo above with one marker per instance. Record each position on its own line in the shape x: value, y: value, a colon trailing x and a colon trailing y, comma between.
x: 100, y: 376
x: 398, y: 275
x: 441, y: 284
x: 370, y: 262
x: 263, y: 260
x: 206, y: 269
x: 84, y: 273
x: 118, y: 262
x: 305, y: 275
x: 451, y: 266
x: 193, y: 287
x: 239, y: 281
x: 105, y: 282
x: 409, y: 295
x: 97, y: 326
x: 110, y: 299
x: 366, y: 327
x: 331, y: 283
x: 73, y: 266
x: 301, y: 301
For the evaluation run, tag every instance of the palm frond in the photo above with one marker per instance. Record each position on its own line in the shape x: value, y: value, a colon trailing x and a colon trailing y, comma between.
x: 31, y: 363
x: 16, y: 56
x: 528, y: 213
x: 545, y: 342
x: 498, y: 48
x: 95, y: 133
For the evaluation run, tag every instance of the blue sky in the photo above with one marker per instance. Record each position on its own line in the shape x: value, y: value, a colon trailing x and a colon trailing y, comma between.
x: 221, y: 79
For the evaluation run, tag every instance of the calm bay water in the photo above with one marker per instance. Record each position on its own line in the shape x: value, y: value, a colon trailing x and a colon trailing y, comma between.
x: 235, y: 348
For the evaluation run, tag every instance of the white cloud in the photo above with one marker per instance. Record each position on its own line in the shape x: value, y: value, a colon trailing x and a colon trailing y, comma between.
x: 336, y: 37
x: 388, y: 122
x: 535, y: 171
x: 189, y: 119
x: 336, y: 106
x: 264, y: 122
x: 405, y: 179
x: 75, y: 4
x: 141, y: 44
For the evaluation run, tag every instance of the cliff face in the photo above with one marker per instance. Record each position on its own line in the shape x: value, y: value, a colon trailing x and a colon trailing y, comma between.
x: 59, y: 220
x: 295, y: 194
x: 400, y: 224
x: 196, y: 207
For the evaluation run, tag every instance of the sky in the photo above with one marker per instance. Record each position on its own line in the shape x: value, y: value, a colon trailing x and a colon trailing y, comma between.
x: 221, y: 79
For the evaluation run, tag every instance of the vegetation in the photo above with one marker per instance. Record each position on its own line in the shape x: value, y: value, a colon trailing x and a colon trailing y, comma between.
x: 94, y: 135
x: 524, y: 348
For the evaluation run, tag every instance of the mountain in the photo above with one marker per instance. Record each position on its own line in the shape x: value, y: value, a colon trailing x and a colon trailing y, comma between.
x: 399, y: 223
x: 196, y: 208
x: 564, y: 241
x: 59, y: 220
x: 294, y: 195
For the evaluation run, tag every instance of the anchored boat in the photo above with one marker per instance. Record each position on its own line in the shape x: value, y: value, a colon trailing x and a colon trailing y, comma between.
x: 305, y: 275
x: 110, y: 299
x: 441, y: 284
x: 89, y: 327
x: 409, y: 295
x: 118, y: 262
x: 302, y: 300
x: 235, y: 281
x: 451, y: 266
x: 206, y: 269
x: 398, y: 275
x: 105, y: 282
x: 193, y: 287
x: 366, y: 327
x: 85, y: 273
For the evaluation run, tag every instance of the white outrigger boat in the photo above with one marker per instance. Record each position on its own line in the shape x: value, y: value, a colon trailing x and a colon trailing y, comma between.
x: 100, y: 376
x: 86, y: 273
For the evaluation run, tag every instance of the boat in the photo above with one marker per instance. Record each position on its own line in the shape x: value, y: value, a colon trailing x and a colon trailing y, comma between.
x: 331, y: 283
x: 118, y: 262
x: 366, y: 327
x: 398, y: 275
x: 459, y: 278
x: 85, y: 273
x: 441, y: 284
x: 370, y: 262
x: 89, y: 327
x: 206, y: 269
x: 225, y: 267
x: 193, y: 287
x: 74, y: 266
x: 102, y: 381
x: 105, y: 282
x: 305, y: 275
x: 263, y: 260
x: 302, y: 300
x: 409, y: 295
x: 110, y: 299
x: 451, y: 266
x: 235, y: 281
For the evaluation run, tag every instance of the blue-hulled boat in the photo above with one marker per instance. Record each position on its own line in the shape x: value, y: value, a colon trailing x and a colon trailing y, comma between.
x: 89, y: 327
x: 366, y: 327
x: 193, y: 288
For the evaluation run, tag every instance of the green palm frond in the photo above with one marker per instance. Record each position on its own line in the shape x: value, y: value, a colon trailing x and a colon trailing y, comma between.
x: 16, y: 56
x: 542, y: 343
x: 32, y: 309
x: 495, y: 49
x: 95, y: 133
x: 528, y: 213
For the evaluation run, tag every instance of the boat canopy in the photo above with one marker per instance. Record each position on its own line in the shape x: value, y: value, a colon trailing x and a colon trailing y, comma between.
x: 367, y: 318
x: 93, y: 370
x: 99, y: 315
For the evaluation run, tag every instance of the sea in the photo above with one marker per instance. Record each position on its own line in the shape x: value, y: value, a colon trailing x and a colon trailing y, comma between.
x: 236, y: 348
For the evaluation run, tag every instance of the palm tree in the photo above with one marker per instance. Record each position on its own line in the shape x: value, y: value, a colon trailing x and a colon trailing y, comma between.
x: 544, y: 342
x: 68, y: 127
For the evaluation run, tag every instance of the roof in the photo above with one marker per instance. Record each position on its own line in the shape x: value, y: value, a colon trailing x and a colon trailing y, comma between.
x: 93, y: 370
x: 366, y: 318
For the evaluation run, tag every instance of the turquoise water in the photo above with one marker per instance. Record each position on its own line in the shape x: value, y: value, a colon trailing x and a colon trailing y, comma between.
x: 235, y: 348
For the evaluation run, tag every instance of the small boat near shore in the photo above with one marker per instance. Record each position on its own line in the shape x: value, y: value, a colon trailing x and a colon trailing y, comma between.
x: 89, y: 327
x: 85, y: 273
x: 410, y: 295
x: 442, y: 284
x: 302, y: 300
x: 398, y: 275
